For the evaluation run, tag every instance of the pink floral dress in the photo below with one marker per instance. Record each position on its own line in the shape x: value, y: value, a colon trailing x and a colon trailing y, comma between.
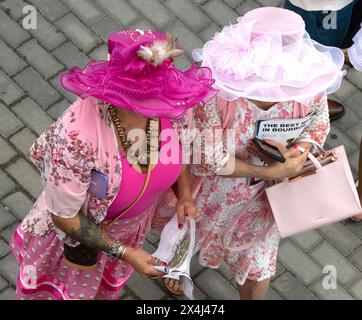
x: 222, y: 200
x: 81, y: 140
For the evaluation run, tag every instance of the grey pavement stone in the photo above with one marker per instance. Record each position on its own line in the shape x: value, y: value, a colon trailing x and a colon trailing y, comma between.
x: 85, y: 10
x: 84, y: 38
x: 32, y: 115
x: 330, y: 294
x: 195, y: 266
x: 187, y: 39
x: 23, y: 140
x: 47, y: 34
x: 40, y: 90
x: 225, y: 271
x: 346, y: 89
x: 3, y: 284
x: 142, y: 24
x: 6, y: 218
x: 341, y: 238
x: 209, y: 32
x: 9, y: 91
x: 233, y: 3
x: 40, y: 59
x: 272, y: 295
x: 6, y: 184
x: 58, y: 109
x: 355, y: 77
x: 8, y: 294
x: 100, y: 53
x: 214, y: 284
x: 52, y: 10
x: 290, y: 288
x: 153, y: 11
x: 183, y: 63
x: 4, y: 249
x: 26, y: 176
x: 247, y: 6
x: 57, y: 84
x: 19, y: 204
x: 356, y: 289
x: 105, y: 27
x: 271, y: 3
x: 71, y: 56
x: 11, y: 32
x: 9, y: 269
x: 326, y: 255
x: 338, y: 138
x: 8, y: 232
x: 356, y: 258
x: 153, y: 238
x: 14, y: 8
x: 145, y: 289
x: 7, y: 152
x: 307, y: 240
x: 9, y: 123
x: 355, y: 132
x: 356, y: 228
x: 347, y: 121
x: 298, y: 263
x: 279, y: 269
x: 10, y: 62
x: 219, y: 12
x: 354, y: 102
x: 354, y: 162
x: 193, y: 17
x: 120, y: 10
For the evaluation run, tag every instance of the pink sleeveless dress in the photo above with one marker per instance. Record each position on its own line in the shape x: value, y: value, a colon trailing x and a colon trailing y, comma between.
x: 163, y: 176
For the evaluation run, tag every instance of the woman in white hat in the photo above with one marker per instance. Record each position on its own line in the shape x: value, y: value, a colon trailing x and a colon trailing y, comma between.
x: 265, y: 68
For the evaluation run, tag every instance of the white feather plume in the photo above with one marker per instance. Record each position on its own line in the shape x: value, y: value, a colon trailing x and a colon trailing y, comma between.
x: 159, y: 51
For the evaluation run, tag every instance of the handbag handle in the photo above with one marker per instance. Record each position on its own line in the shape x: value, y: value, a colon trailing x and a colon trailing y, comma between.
x: 314, y: 143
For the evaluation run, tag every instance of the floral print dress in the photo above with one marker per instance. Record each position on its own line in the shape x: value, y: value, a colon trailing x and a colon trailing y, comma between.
x: 222, y: 200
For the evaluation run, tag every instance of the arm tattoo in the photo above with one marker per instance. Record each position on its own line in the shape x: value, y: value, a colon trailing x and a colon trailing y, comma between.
x: 91, y: 235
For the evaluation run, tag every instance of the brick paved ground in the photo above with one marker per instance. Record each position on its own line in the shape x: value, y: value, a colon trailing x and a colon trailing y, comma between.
x: 71, y: 32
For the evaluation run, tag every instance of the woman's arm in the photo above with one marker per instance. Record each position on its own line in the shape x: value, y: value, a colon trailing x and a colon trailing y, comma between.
x: 273, y: 171
x: 185, y: 205
x: 85, y: 231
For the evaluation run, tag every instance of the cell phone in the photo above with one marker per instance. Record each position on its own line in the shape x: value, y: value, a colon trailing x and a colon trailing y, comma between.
x: 99, y: 184
x: 268, y: 150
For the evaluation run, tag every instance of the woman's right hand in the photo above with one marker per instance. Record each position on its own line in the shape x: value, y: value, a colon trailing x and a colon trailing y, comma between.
x: 292, y: 165
x: 142, y: 262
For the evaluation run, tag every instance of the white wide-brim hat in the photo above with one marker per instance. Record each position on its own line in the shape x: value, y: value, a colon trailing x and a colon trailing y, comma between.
x: 269, y: 56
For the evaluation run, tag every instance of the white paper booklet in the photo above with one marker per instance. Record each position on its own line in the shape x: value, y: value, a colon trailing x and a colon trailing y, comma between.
x: 176, y: 248
x: 284, y: 131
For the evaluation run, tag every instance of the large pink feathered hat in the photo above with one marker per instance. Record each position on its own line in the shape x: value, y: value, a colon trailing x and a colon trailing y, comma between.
x: 140, y: 76
x: 269, y: 56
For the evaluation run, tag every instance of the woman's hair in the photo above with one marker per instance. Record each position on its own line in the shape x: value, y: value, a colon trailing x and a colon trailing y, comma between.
x: 160, y: 51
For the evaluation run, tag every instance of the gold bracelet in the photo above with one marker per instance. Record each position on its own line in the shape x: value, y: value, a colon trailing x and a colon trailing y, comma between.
x: 121, y: 251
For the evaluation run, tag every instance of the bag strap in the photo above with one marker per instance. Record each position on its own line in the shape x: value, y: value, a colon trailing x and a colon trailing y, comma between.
x: 144, y: 188
x: 314, y: 143
x: 235, y: 221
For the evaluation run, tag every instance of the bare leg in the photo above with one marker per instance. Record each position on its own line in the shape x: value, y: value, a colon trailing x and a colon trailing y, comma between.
x: 359, y: 217
x: 253, y: 290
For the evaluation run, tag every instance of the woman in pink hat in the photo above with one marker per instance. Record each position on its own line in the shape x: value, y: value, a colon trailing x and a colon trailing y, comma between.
x: 265, y: 67
x: 102, y: 166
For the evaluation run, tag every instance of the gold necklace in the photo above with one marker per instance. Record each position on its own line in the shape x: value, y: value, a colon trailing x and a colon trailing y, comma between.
x: 143, y: 159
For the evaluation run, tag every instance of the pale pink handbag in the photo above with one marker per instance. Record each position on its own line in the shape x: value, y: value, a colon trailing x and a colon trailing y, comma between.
x: 322, y: 193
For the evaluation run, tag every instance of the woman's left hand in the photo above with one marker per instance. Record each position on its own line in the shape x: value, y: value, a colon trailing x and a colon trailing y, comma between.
x: 185, y: 207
